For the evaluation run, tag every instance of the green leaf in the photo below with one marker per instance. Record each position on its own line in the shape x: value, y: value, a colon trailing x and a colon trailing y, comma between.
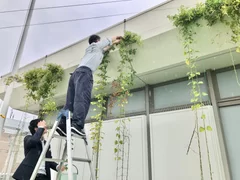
x: 115, y: 150
x: 238, y: 50
x: 201, y: 129
x: 116, y: 142
x: 120, y: 142
x: 203, y: 117
x: 204, y: 94
x: 209, y: 128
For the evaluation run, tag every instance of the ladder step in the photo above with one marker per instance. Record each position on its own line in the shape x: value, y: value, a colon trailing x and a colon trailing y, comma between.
x: 81, y: 159
x: 53, y: 160
x: 61, y: 160
x: 65, y: 138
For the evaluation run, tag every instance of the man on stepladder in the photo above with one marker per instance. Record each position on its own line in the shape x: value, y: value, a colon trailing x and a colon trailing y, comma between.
x: 81, y: 83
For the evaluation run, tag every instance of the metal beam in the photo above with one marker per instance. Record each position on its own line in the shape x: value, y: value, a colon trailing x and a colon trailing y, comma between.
x: 218, y: 125
x: 16, y: 63
x: 149, y: 151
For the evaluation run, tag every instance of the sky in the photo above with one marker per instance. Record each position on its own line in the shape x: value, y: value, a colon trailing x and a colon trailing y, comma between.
x: 45, y: 39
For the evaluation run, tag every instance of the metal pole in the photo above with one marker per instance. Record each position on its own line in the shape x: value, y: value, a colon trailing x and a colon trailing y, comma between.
x: 12, y: 155
x: 147, y: 94
x: 16, y: 63
x: 218, y: 125
x: 69, y: 147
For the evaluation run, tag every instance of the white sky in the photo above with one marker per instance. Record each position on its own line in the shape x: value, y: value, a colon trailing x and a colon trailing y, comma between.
x: 45, y: 39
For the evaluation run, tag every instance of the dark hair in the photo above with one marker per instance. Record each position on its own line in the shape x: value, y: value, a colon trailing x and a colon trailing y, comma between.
x: 93, y: 38
x: 33, y: 125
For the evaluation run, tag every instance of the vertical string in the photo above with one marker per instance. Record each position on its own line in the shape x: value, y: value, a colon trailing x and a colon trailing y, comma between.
x: 45, y: 60
x: 124, y: 25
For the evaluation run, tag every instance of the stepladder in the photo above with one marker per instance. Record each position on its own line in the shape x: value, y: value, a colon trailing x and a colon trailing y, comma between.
x: 67, y: 155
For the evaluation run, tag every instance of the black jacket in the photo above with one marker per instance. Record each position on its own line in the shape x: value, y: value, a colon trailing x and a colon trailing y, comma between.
x: 32, y: 151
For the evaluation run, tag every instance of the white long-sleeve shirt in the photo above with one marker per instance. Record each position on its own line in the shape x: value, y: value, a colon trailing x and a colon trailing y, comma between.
x: 42, y: 169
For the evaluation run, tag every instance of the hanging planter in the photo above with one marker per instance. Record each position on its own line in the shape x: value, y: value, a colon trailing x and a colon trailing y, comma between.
x: 40, y: 84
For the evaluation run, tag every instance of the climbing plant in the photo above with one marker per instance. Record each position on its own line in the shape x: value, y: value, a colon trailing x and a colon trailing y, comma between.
x: 96, y: 135
x: 40, y: 84
x: 188, y: 20
x: 121, y: 85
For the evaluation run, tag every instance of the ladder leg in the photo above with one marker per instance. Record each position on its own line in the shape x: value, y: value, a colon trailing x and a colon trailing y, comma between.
x: 43, y: 154
x: 88, y: 157
x: 69, y: 148
x: 63, y: 158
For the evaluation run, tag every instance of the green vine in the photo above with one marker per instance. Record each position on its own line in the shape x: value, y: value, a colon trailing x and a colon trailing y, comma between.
x: 96, y: 134
x: 187, y: 20
x: 40, y: 84
x: 121, y: 87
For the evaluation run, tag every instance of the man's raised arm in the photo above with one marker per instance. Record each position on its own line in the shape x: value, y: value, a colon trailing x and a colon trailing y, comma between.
x: 105, y: 44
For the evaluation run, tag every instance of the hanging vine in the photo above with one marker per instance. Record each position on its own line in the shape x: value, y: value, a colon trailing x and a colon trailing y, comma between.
x: 40, y: 84
x: 187, y: 20
x: 121, y: 91
x: 121, y: 87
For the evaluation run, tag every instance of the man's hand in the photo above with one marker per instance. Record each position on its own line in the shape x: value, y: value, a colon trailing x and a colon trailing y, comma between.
x: 63, y: 168
x: 116, y: 39
x: 42, y: 124
x: 119, y: 37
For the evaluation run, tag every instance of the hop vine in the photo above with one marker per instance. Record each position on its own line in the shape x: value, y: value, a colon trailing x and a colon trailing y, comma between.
x: 187, y: 20
x: 121, y: 86
x: 40, y: 84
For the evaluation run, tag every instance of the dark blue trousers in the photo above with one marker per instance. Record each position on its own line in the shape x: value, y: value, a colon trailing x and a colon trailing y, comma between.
x: 79, y: 94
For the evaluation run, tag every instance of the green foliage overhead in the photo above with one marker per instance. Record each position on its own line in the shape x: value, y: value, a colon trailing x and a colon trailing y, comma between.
x: 40, y: 84
x: 212, y: 11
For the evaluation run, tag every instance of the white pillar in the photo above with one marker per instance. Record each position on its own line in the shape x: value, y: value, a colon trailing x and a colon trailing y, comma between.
x: 15, y: 67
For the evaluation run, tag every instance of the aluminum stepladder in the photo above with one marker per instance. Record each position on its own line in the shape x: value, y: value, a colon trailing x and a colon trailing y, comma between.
x: 67, y: 152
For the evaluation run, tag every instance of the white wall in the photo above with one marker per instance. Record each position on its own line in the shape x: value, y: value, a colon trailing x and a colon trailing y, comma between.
x: 138, y: 169
x: 170, y: 136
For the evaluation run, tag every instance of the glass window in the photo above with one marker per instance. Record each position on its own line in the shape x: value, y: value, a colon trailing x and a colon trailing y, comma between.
x: 176, y: 94
x: 227, y: 84
x: 93, y: 111
x: 231, y: 123
x: 136, y: 103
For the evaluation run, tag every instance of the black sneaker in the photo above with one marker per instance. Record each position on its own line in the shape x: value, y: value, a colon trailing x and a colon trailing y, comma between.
x: 77, y: 130
x: 61, y: 129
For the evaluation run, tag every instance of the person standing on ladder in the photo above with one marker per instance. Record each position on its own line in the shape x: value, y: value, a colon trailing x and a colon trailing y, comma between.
x: 81, y: 83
